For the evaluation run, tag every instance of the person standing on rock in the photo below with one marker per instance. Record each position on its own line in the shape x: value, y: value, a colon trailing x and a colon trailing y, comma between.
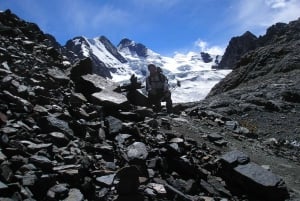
x: 158, y: 89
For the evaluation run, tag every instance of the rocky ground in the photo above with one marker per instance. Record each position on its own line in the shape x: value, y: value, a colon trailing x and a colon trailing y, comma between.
x: 67, y: 134
x: 259, y: 141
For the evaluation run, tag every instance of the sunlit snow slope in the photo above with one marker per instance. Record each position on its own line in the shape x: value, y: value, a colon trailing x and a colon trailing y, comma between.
x: 193, y: 70
x: 196, y: 76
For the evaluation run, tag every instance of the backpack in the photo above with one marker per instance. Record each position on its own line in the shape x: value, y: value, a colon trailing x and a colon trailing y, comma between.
x: 162, y: 77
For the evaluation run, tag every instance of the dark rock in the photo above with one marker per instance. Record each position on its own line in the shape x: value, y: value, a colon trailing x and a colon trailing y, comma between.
x: 209, y: 188
x: 180, y: 165
x: 221, y: 143
x: 234, y: 158
x: 77, y: 99
x: 135, y: 48
x: 214, y: 137
x: 2, y: 157
x: 21, y: 103
x: 6, y: 173
x: 206, y: 57
x: 263, y: 183
x: 130, y: 116
x: 80, y: 68
x: 58, y: 192
x: 59, y: 139
x: 236, y: 48
x: 17, y: 161
x: 29, y: 180
x: 113, y: 126
x: 219, y: 185
x: 128, y: 180
x: 188, y: 187
x: 3, y: 119
x: 3, y: 188
x: 53, y: 124
x: 42, y: 162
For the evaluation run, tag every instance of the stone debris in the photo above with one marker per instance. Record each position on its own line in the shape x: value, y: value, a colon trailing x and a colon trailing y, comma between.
x: 69, y: 135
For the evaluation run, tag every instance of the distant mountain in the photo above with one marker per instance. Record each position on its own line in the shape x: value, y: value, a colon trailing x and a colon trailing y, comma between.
x: 194, y: 70
x: 105, y: 57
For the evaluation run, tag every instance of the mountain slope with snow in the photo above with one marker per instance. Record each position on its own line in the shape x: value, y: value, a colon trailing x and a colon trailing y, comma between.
x: 193, y: 70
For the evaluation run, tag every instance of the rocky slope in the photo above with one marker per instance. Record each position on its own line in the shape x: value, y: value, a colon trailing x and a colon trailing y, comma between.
x: 266, y: 80
x: 262, y: 93
x: 68, y: 134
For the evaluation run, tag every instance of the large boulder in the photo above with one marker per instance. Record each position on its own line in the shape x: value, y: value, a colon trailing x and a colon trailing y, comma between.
x: 252, y: 178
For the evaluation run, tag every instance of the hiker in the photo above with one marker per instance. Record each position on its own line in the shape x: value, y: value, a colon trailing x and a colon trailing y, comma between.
x: 158, y: 89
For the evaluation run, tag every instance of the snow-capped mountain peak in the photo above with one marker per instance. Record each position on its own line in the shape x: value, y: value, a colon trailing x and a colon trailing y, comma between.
x: 193, y: 70
x: 130, y: 47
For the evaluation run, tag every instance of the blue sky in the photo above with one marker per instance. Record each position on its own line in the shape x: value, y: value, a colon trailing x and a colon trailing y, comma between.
x: 165, y: 26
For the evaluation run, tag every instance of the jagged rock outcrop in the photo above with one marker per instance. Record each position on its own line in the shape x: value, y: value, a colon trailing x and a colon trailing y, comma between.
x: 236, y: 48
x: 135, y: 48
x: 206, y: 57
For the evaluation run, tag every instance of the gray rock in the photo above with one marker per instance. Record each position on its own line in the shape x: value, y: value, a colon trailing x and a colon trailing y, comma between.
x: 106, y: 180
x: 59, y: 139
x: 53, y: 124
x: 255, y: 179
x: 6, y: 172
x: 58, y: 192
x: 113, y: 125
x: 214, y: 137
x: 74, y: 195
x: 106, y: 90
x: 234, y: 158
x: 58, y: 75
x: 3, y: 187
x: 137, y: 150
x: 2, y: 157
x: 42, y: 162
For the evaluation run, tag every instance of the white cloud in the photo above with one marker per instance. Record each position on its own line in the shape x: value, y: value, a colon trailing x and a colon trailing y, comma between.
x: 202, y: 44
x: 276, y: 3
x: 257, y: 15
x: 205, y: 47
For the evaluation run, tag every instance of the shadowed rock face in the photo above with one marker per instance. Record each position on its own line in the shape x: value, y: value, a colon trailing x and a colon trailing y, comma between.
x: 275, y: 62
x: 136, y: 48
x: 67, y: 134
x: 236, y: 48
